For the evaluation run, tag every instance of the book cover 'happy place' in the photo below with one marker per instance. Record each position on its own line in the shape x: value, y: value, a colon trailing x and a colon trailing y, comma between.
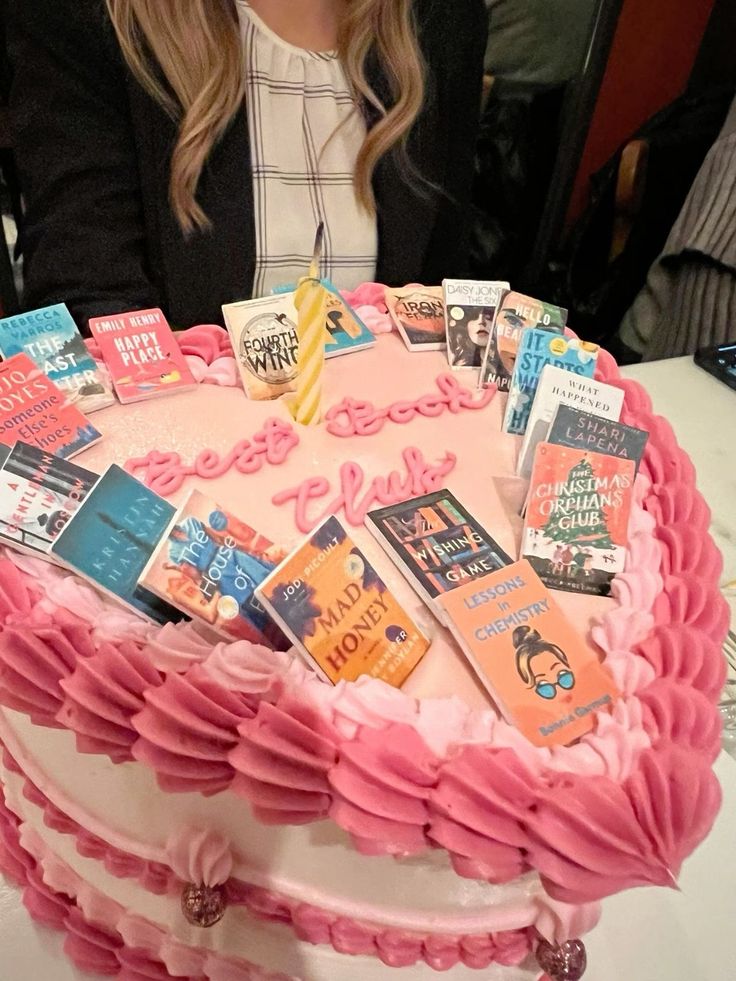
x: 142, y: 355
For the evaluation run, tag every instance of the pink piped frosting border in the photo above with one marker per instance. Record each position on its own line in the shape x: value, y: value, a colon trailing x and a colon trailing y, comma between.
x: 623, y: 807
x: 199, y: 857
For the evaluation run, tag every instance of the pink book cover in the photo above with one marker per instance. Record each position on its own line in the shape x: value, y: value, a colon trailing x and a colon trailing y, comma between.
x: 140, y: 350
x: 34, y: 410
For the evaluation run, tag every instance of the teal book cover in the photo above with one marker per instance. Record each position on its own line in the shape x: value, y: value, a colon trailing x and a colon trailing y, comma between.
x: 51, y: 340
x: 345, y: 329
x: 111, y: 537
x: 537, y: 349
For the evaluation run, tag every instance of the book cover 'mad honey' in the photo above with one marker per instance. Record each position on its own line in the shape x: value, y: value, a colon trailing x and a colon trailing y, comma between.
x: 540, y: 672
x: 330, y: 601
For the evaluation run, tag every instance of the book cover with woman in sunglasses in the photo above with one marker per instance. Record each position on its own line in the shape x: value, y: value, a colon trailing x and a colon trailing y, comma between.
x: 543, y: 676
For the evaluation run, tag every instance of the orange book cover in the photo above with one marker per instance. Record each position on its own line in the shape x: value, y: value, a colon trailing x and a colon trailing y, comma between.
x: 542, y: 674
x: 329, y: 599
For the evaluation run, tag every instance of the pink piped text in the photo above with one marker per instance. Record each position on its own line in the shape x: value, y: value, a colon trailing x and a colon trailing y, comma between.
x: 164, y: 473
x: 355, y: 498
x: 354, y: 417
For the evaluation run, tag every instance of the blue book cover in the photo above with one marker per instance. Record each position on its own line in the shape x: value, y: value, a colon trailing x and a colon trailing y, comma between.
x: 538, y: 348
x: 51, y: 340
x: 584, y: 430
x: 111, y: 537
x: 346, y: 330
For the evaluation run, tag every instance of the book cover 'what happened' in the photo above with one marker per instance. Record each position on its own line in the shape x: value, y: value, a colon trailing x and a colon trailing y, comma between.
x: 329, y: 599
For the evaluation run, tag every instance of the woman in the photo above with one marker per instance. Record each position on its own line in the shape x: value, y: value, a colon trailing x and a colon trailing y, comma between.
x: 180, y: 153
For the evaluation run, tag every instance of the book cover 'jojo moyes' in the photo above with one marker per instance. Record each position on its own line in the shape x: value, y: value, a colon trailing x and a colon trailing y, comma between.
x: 34, y: 410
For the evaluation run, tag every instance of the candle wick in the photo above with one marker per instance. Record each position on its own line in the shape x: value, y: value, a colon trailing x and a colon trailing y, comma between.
x: 317, y: 253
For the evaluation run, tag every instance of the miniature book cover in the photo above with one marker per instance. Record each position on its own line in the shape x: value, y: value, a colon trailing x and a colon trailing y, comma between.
x: 419, y: 315
x: 538, y: 348
x: 141, y: 353
x: 516, y: 314
x: 34, y: 410
x: 541, y: 673
x: 208, y: 565
x: 470, y: 311
x: 111, y: 537
x: 333, y: 605
x: 51, y: 339
x: 560, y: 387
x: 38, y: 495
x: 577, y: 518
x: 586, y: 431
x: 346, y: 332
x: 436, y: 543
x: 264, y: 337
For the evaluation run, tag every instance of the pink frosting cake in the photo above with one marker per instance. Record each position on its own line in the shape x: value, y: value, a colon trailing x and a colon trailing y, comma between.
x: 216, y: 812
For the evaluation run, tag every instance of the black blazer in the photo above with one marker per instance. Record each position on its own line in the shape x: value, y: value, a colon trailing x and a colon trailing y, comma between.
x: 94, y: 149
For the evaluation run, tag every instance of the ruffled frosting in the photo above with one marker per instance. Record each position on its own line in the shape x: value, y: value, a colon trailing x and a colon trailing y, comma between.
x: 33, y: 663
x: 252, y: 669
x: 687, y: 657
x: 186, y: 729
x: 282, y: 760
x: 176, y: 647
x: 199, y: 856
x: 477, y: 811
x: 592, y: 837
x: 381, y: 784
x: 101, y: 697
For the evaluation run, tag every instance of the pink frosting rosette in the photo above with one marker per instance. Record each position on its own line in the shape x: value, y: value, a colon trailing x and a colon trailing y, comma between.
x: 282, y: 761
x: 381, y: 784
x: 102, y: 695
x: 477, y: 812
x: 186, y: 729
x: 200, y: 856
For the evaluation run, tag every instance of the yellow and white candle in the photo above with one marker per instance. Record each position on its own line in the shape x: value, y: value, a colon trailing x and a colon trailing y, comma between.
x: 311, y: 302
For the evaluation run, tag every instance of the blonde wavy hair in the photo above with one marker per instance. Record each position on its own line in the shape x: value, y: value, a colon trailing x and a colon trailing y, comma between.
x: 188, y: 55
